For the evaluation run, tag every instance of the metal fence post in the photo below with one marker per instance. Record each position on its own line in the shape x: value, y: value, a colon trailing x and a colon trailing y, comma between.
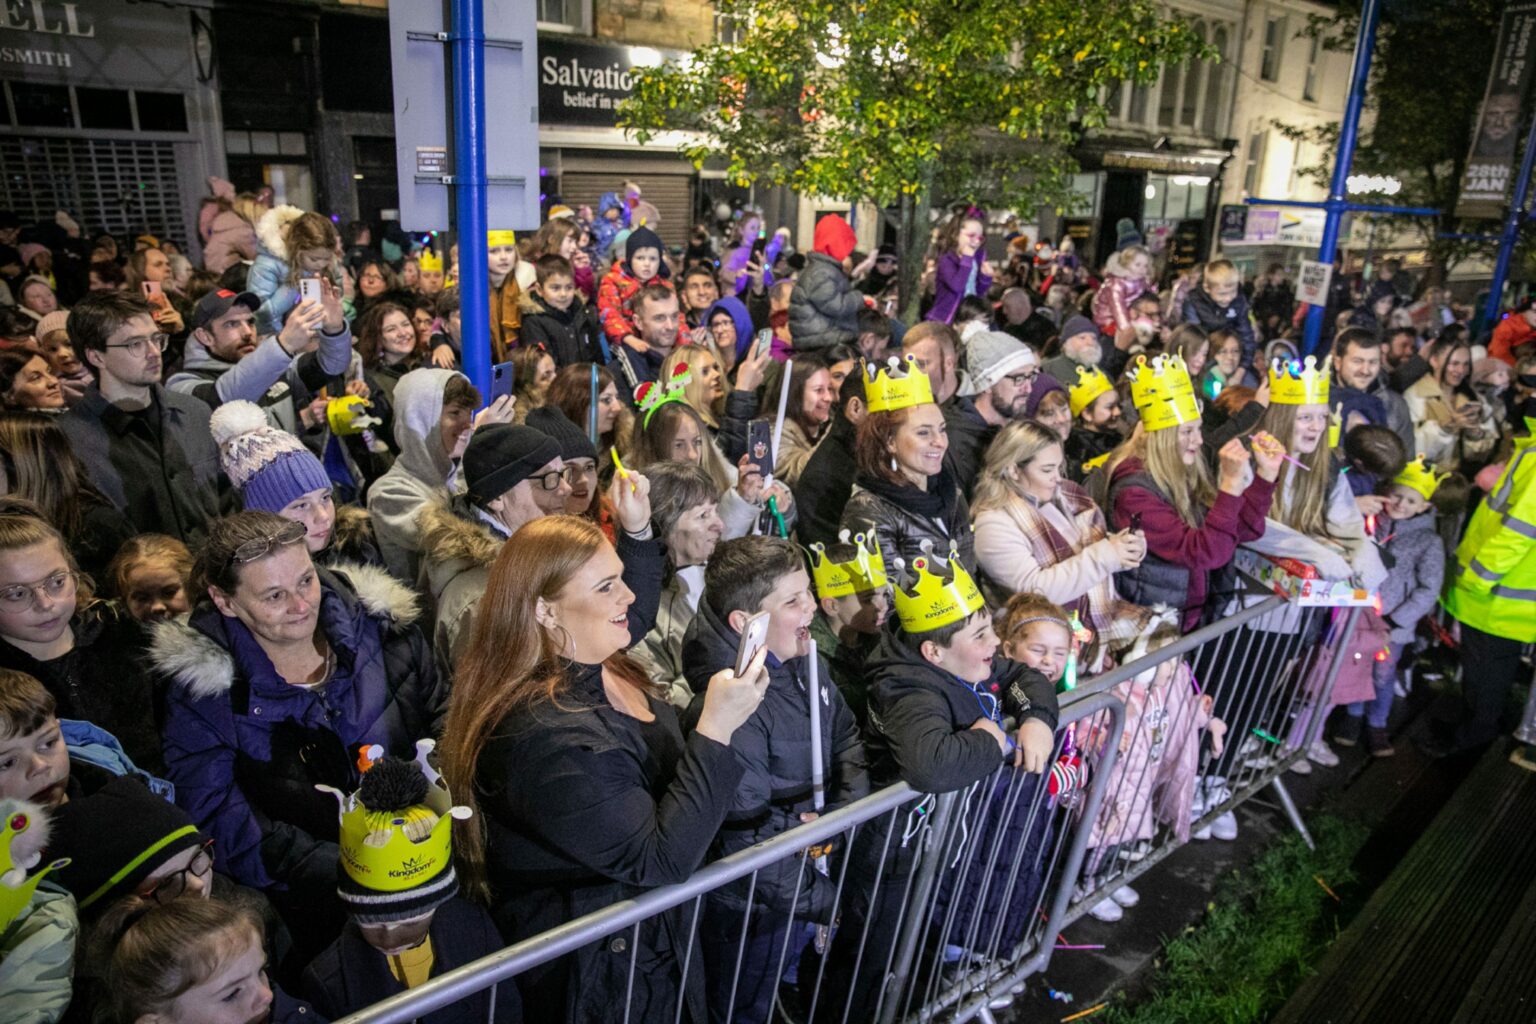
x: 916, y: 925
x: 1525, y: 754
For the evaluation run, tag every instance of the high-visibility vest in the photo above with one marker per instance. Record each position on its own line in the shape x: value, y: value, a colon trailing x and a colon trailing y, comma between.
x: 1494, y: 588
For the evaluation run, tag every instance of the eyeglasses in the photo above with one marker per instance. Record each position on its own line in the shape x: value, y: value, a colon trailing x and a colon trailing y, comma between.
x: 251, y: 550
x: 140, y: 346
x: 551, y: 481
x: 20, y: 596
x: 172, y: 886
x: 1020, y: 380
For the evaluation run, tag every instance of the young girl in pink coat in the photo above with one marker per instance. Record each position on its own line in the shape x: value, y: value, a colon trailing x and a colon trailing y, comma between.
x: 1127, y: 275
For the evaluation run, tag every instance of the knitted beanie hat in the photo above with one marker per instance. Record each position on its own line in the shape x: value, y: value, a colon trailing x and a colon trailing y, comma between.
x: 58, y: 320
x: 106, y: 863
x: 993, y: 355
x: 502, y: 455
x: 393, y: 796
x: 573, y: 441
x: 1044, y: 385
x: 269, y: 467
x: 1076, y: 325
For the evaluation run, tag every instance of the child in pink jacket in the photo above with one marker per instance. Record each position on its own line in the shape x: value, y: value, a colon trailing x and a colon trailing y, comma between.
x: 1126, y: 276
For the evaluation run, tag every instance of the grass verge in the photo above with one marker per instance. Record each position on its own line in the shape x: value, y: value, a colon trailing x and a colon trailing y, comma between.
x: 1265, y: 930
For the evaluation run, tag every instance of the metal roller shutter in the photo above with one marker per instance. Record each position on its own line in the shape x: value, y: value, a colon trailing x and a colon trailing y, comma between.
x: 671, y: 194
x: 122, y: 186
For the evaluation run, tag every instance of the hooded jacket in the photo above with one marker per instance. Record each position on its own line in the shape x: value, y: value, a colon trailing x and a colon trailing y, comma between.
x: 245, y: 748
x: 773, y: 747
x: 1415, y: 575
x: 824, y: 307
x: 740, y: 318
x: 269, y: 274
x: 1200, y: 309
x: 604, y: 231
x: 228, y: 238
x: 920, y: 716
x: 422, y: 472
x: 571, y: 335
x: 904, y: 517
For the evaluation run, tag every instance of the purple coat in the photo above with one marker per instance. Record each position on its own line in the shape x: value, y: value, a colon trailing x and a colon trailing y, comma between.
x: 953, y: 283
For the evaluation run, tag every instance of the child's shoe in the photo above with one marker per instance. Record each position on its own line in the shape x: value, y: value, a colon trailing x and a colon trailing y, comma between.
x: 1322, y: 755
x: 1126, y: 896
x: 1106, y: 910
x: 1301, y: 766
x: 1378, y: 743
x: 1348, y: 732
x: 1225, y: 827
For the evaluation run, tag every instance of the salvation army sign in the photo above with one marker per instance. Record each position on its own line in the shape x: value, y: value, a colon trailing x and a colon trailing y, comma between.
x: 581, y: 82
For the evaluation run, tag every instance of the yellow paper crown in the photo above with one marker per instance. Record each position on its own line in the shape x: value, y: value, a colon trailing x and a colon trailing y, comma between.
x: 1091, y: 383
x: 349, y: 415
x: 1162, y: 392
x: 391, y: 851
x: 495, y: 238
x: 1299, y: 382
x: 1420, y: 477
x: 430, y: 261
x: 16, y: 886
x: 886, y: 392
x: 933, y: 602
x: 861, y: 574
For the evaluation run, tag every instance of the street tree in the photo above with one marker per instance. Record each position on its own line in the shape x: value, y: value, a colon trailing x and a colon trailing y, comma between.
x: 907, y: 102
x: 1428, y: 72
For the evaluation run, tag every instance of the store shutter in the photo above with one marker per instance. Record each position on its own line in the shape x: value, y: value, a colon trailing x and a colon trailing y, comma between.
x: 124, y: 186
x: 671, y: 194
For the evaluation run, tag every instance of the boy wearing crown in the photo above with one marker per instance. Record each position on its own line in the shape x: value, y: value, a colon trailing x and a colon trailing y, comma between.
x: 853, y: 599
x: 1097, y: 422
x: 1415, y: 559
x: 407, y: 921
x: 744, y: 577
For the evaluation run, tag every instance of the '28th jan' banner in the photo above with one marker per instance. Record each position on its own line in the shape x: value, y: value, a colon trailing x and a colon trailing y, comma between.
x: 1485, y: 182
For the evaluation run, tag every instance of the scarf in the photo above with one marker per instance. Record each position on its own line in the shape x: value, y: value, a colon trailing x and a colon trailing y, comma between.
x: 937, y: 502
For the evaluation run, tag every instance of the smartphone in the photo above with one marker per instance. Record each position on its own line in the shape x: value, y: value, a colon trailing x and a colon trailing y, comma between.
x: 764, y: 341
x: 753, y: 636
x: 760, y: 445
x: 153, y: 292
x: 501, y: 381
x: 1135, y: 522
x: 310, y: 290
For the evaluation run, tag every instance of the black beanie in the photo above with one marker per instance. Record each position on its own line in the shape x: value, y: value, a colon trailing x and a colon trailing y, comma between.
x: 644, y: 238
x: 501, y: 456
x: 115, y: 838
x: 573, y: 441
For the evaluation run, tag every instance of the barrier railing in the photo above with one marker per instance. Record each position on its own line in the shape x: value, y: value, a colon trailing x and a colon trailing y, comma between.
x: 944, y: 906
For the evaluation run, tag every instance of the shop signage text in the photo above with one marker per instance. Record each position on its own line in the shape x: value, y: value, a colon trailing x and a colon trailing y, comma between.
x: 48, y: 18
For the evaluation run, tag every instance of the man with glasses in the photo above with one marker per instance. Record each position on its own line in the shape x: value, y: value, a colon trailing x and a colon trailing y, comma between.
x: 148, y: 449
x: 513, y: 474
x: 226, y: 360
x: 1002, y: 372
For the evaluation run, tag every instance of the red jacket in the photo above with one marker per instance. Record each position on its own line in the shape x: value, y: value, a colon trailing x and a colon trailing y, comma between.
x: 1512, y: 332
x: 1230, y: 521
x: 614, y: 296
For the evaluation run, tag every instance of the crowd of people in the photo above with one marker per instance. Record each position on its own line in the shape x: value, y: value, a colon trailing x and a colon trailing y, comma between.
x: 324, y: 672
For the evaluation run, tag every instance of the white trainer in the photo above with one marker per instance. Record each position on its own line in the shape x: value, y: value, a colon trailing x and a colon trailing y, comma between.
x: 1126, y: 896
x: 1321, y: 754
x: 1106, y: 910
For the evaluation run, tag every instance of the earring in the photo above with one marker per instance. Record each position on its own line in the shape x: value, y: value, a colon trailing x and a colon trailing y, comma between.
x: 895, y: 466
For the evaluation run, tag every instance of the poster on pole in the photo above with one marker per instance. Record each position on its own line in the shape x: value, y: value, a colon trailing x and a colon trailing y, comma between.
x: 1496, y: 136
x: 1312, y: 282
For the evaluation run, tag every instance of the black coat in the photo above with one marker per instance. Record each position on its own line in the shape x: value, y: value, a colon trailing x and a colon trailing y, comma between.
x: 584, y: 806
x: 774, y: 749
x: 103, y: 529
x: 825, y: 484
x: 904, y: 517
x: 920, y: 716
x: 160, y: 469
x: 570, y: 335
x: 351, y: 974
x: 969, y: 436
x: 104, y: 679
x: 1084, y: 445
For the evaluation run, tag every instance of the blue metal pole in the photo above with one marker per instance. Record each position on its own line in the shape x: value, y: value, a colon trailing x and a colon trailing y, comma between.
x: 1511, y: 232
x: 468, y: 51
x: 1349, y: 131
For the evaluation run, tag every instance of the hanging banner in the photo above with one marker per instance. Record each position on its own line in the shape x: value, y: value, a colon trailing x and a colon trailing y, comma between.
x: 1485, y: 182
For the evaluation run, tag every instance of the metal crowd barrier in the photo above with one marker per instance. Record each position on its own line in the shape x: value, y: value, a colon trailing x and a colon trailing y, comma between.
x: 944, y: 906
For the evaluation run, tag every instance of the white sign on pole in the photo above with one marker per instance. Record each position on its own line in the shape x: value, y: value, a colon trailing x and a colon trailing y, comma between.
x: 1312, y: 282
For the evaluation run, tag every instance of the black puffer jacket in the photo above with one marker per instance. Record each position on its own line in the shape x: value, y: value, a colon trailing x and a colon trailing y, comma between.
x: 774, y: 749
x: 571, y: 335
x: 585, y: 806
x: 825, y: 484
x: 903, y: 517
x: 104, y: 679
x: 920, y: 716
x: 823, y: 308
x: 969, y: 436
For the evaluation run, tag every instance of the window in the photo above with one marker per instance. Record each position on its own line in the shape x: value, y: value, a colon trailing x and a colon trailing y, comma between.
x: 104, y: 108
x: 1139, y: 96
x: 1194, y: 71
x: 1253, y: 170
x: 563, y: 15
x: 1274, y: 43
x: 1309, y: 88
x: 1168, y: 97
x: 727, y: 28
x: 161, y: 111
x: 1215, y: 85
x: 1294, y: 178
x: 42, y: 106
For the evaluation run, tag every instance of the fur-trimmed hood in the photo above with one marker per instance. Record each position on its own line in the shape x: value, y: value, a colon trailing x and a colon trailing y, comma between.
x: 269, y: 230
x: 449, y: 535
x: 186, y: 652
x: 353, y: 527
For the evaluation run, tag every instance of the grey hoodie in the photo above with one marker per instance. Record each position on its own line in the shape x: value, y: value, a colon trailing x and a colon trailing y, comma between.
x: 422, y: 473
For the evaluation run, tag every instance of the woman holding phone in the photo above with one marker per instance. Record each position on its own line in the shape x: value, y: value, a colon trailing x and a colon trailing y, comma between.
x: 545, y: 738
